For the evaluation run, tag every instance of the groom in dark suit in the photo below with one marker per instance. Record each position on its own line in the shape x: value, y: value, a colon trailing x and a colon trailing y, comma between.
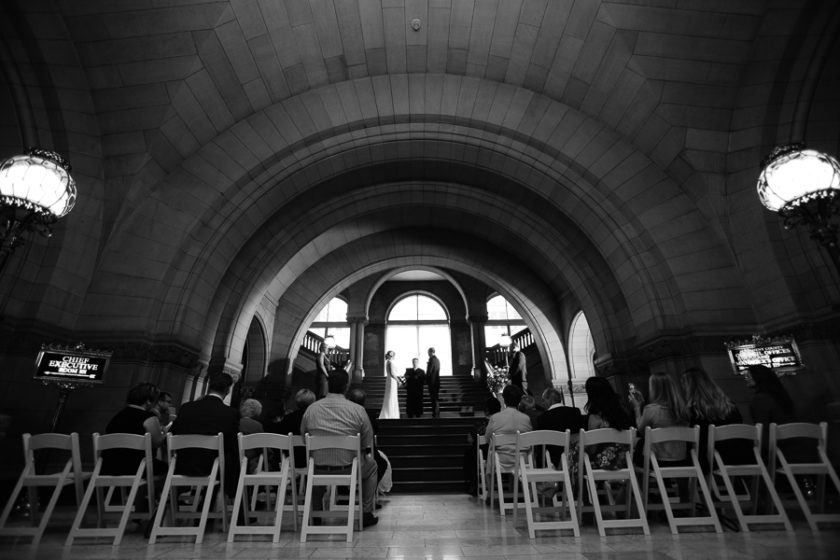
x: 209, y: 416
x: 433, y: 381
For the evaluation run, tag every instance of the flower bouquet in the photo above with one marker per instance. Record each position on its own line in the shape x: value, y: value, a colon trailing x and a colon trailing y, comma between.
x: 497, y: 378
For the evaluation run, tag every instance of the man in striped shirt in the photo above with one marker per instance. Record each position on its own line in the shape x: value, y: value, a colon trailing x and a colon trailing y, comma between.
x: 335, y: 415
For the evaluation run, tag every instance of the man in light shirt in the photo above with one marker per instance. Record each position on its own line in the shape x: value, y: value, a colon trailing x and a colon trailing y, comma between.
x: 335, y: 415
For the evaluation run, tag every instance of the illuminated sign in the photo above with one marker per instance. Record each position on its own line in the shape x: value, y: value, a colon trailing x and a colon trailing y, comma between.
x: 71, y: 364
x: 779, y: 353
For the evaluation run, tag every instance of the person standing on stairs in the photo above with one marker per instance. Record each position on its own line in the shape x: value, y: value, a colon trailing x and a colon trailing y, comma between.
x: 415, y: 379
x: 433, y: 381
x: 390, y: 403
x: 518, y: 367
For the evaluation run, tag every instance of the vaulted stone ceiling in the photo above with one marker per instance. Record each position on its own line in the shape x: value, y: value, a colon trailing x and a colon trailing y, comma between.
x: 599, y: 154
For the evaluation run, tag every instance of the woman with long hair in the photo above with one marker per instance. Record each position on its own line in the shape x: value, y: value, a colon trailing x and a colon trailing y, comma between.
x: 603, y: 407
x: 666, y: 409
x: 707, y: 404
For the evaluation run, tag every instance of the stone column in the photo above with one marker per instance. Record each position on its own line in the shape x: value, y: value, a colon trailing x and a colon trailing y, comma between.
x: 357, y: 347
x: 479, y: 345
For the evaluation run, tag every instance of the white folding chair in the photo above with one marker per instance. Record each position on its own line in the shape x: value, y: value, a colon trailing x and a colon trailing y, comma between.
x: 210, y: 485
x: 747, y: 477
x: 498, y: 469
x: 279, y: 480
x: 104, y: 486
x: 300, y: 470
x: 692, y: 472
x: 820, y: 467
x: 530, y: 474
x: 71, y: 473
x: 593, y: 474
x: 481, y: 467
x: 333, y: 477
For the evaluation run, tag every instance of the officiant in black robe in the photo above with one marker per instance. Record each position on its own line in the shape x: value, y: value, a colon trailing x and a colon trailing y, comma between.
x: 414, y: 381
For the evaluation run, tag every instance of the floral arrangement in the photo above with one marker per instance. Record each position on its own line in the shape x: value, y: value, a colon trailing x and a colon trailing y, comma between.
x: 497, y: 378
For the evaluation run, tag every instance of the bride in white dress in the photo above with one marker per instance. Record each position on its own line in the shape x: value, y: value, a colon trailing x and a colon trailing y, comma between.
x: 391, y: 403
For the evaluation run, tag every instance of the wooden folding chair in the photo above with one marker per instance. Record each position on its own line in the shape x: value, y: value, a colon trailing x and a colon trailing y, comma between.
x: 593, y: 474
x: 333, y: 478
x: 820, y: 467
x: 530, y: 474
x: 105, y: 486
x: 743, y: 477
x: 497, y: 469
x: 210, y: 485
x: 280, y: 480
x: 30, y: 479
x: 692, y: 472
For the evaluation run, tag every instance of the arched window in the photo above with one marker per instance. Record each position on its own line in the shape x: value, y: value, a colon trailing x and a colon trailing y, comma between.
x: 502, y: 319
x: 581, y: 348
x: 332, y: 321
x: 416, y: 323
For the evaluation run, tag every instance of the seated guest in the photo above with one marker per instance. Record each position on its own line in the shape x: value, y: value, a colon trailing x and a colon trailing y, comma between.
x: 558, y: 417
x: 528, y: 406
x: 249, y: 411
x: 604, y: 411
x: 603, y: 407
x: 707, y: 404
x: 666, y: 408
x: 335, y: 415
x: 508, y: 421
x: 383, y: 473
x: 290, y: 424
x: 491, y: 407
x: 136, y: 418
x: 210, y: 416
x: 163, y: 409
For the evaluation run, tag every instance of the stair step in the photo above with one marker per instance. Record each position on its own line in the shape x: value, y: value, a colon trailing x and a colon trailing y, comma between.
x: 428, y: 487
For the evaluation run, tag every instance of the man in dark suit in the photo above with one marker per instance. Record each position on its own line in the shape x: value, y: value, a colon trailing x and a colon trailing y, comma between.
x: 518, y: 366
x: 433, y: 381
x: 209, y: 416
x: 414, y: 380
x: 558, y: 417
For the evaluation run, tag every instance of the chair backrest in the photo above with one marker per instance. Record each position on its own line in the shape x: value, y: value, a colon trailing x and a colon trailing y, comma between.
x: 497, y: 440
x: 264, y: 441
x: 195, y: 441
x: 673, y: 433
x: 818, y: 432
x: 526, y: 440
x: 799, y: 430
x: 136, y: 442
x: 607, y: 435
x: 347, y: 442
x: 63, y: 442
x: 198, y: 441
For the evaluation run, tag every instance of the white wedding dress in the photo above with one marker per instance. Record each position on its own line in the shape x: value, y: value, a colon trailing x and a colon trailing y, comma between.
x: 390, y: 403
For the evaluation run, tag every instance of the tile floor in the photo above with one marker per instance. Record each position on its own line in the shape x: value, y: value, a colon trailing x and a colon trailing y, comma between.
x: 449, y: 527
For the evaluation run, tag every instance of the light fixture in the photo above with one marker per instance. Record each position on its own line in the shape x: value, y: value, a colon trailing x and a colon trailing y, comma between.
x: 329, y: 340
x: 504, y: 342
x: 803, y: 186
x: 36, y: 190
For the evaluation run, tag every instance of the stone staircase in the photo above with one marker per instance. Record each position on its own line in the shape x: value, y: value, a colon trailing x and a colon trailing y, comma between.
x: 459, y: 396
x: 427, y: 454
